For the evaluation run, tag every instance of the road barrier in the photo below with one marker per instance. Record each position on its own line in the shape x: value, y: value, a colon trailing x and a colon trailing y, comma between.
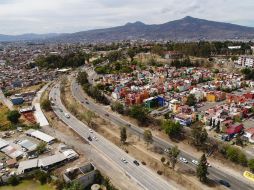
x: 249, y: 175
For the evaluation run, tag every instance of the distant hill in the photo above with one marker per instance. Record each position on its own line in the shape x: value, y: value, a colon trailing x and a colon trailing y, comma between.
x: 185, y: 29
x: 26, y: 37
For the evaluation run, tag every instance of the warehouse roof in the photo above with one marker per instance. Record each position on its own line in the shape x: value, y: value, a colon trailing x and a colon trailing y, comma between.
x: 28, y: 145
x: 40, y: 135
x: 3, y: 143
x: 26, y: 165
x: 50, y: 160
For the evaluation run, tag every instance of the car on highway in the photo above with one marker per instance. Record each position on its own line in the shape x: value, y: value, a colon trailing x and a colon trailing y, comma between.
x: 90, y: 130
x: 208, y: 164
x: 106, y: 114
x: 89, y: 138
x: 67, y: 115
x: 136, y: 162
x: 183, y: 160
x: 82, y: 102
x: 225, y: 183
x: 124, y: 160
x: 195, y: 162
x: 166, y: 150
x: 87, y: 102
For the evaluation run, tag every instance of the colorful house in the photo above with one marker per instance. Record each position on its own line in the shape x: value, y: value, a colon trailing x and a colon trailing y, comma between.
x: 234, y: 129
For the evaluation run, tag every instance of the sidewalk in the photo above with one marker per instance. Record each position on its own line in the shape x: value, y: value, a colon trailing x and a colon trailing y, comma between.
x: 39, y: 115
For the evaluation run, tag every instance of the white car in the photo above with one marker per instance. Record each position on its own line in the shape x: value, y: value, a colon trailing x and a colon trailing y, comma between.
x: 166, y: 150
x: 67, y: 115
x: 90, y: 130
x: 208, y: 164
x: 124, y: 161
x: 183, y: 160
x: 195, y: 162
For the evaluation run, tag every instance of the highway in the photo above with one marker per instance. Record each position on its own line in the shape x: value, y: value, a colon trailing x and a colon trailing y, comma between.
x: 141, y: 175
x: 214, y: 173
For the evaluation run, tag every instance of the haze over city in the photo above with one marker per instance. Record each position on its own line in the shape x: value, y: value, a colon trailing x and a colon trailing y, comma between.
x: 61, y: 16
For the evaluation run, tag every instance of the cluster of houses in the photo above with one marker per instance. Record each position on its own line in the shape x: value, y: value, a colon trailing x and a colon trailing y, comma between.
x: 21, y: 157
x: 171, y: 87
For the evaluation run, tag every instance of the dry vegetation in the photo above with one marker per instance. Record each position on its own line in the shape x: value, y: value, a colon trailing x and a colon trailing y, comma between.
x: 4, y: 123
x: 135, y: 146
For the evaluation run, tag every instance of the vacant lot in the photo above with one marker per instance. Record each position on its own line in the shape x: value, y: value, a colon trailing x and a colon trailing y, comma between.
x: 4, y: 123
x: 28, y: 185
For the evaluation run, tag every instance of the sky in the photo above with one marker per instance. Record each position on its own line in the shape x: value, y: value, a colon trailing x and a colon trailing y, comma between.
x: 65, y: 16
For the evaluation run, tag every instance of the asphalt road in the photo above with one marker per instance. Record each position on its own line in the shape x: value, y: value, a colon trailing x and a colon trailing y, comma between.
x: 214, y: 173
x: 143, y: 176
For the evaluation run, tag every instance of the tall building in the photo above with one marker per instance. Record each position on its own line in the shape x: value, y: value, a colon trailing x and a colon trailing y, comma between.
x: 246, y: 61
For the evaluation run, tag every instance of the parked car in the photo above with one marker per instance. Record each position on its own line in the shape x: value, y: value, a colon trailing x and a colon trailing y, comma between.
x: 67, y: 115
x: 225, y: 183
x: 124, y: 161
x: 89, y: 138
x: 195, y: 162
x: 33, y: 156
x: 183, y: 160
x: 136, y: 162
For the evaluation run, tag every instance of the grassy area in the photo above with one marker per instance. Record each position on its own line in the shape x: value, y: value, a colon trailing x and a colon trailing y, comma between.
x: 28, y: 185
x: 4, y: 123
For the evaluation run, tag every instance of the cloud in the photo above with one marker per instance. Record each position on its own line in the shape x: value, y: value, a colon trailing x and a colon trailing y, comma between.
x: 43, y: 16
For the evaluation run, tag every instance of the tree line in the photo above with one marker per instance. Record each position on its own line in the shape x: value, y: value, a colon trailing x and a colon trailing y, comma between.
x: 59, y: 61
x: 91, y: 90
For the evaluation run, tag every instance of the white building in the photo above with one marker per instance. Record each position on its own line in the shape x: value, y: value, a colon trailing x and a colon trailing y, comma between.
x: 246, y: 61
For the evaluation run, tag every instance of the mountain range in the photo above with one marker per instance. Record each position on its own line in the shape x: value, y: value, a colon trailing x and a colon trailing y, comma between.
x: 185, y: 29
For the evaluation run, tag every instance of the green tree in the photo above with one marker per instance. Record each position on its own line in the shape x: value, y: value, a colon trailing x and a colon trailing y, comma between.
x: 148, y: 137
x: 232, y: 154
x: 163, y: 159
x: 73, y: 186
x: 41, y: 147
x: 202, y: 169
x: 82, y: 78
x: 13, y: 180
x: 173, y: 129
x: 13, y: 116
x: 172, y: 155
x: 140, y: 113
x: 42, y: 176
x: 131, y: 53
x: 118, y: 107
x: 191, y: 100
x: 199, y: 136
x: 239, y: 141
x: 251, y: 164
x: 123, y: 135
x: 46, y: 105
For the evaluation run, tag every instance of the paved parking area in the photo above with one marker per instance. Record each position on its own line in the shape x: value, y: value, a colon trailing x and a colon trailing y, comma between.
x: 248, y: 123
x: 208, y: 105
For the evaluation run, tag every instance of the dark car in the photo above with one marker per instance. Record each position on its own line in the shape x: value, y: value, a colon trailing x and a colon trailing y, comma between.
x: 90, y: 138
x: 225, y: 183
x: 107, y: 114
x: 136, y: 162
x: 87, y: 102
